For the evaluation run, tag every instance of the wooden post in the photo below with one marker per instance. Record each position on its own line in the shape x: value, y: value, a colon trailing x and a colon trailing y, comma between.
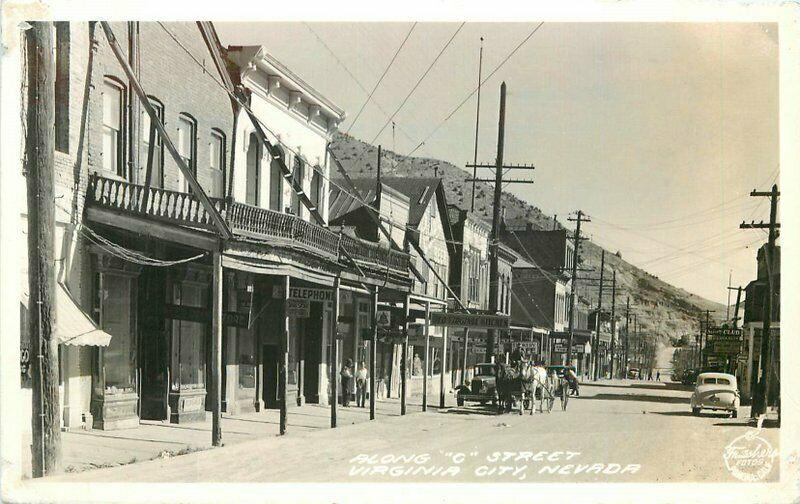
x: 443, y: 367
x: 373, y: 355
x: 39, y: 154
x: 216, y: 353
x: 464, y: 359
x: 427, y: 356
x: 335, y: 351
x: 404, y: 359
x: 284, y: 362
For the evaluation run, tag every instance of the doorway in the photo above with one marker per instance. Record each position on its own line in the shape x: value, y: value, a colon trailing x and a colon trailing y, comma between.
x: 271, y: 359
x: 312, y: 353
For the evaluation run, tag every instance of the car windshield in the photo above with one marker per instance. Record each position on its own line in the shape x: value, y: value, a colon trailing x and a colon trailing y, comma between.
x: 716, y: 381
x: 485, y: 370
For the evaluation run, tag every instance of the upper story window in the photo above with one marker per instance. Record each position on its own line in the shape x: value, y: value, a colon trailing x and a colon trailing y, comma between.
x: 253, y: 175
x: 316, y: 188
x: 298, y: 176
x: 62, y: 86
x: 156, y: 175
x: 275, y: 182
x: 113, y: 113
x: 187, y: 147
x: 216, y: 162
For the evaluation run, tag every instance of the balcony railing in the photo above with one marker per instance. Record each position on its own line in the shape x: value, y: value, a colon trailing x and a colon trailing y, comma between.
x: 243, y: 220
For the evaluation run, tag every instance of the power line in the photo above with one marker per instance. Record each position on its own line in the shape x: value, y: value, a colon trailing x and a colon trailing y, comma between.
x: 353, y: 77
x: 403, y: 43
x: 419, y: 81
x: 458, y: 107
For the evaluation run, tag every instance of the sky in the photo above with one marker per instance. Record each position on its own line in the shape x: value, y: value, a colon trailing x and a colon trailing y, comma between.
x: 658, y: 131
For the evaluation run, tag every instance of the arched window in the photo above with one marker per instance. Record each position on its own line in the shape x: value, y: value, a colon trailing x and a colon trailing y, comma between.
x: 253, y: 177
x: 156, y: 176
x: 113, y: 151
x: 187, y: 147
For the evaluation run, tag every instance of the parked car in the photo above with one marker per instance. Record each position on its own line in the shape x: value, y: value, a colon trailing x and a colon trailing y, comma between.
x: 716, y: 391
x: 690, y: 376
x: 482, y: 388
x: 633, y: 373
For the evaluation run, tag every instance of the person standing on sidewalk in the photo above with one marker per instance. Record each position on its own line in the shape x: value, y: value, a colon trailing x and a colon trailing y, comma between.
x: 347, y: 375
x: 361, y: 384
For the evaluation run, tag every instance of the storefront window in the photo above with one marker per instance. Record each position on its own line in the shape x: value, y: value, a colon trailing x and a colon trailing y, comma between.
x: 188, y: 340
x: 117, y: 319
x: 247, y: 358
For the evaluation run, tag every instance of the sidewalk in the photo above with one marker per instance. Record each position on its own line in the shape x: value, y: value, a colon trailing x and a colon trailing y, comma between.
x: 91, y: 449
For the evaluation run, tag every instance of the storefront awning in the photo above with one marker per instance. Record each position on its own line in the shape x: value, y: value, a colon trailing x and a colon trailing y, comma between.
x: 73, y: 325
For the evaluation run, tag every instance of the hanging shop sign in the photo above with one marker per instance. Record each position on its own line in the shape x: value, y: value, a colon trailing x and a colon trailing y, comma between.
x: 726, y: 345
x: 728, y: 332
x: 298, y: 308
x: 305, y: 293
x: 470, y: 320
x: 384, y: 318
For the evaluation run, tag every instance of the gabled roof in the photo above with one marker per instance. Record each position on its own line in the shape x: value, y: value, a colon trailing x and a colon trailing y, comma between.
x: 343, y: 202
x: 419, y: 192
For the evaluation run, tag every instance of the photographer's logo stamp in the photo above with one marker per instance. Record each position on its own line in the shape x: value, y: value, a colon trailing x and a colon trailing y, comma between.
x: 750, y: 457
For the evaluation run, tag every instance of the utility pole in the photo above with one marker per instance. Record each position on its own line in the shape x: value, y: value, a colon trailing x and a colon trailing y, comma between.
x: 728, y: 306
x: 577, y: 243
x: 613, y: 319
x: 627, y: 333
x: 598, y: 321
x: 494, y: 245
x: 477, y: 126
x: 708, y: 324
x: 761, y: 396
x: 39, y: 154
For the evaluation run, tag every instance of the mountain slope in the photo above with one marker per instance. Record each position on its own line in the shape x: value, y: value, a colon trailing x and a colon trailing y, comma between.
x: 663, y: 310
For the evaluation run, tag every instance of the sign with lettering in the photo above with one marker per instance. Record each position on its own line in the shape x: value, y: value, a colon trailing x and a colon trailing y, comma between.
x: 298, y: 308
x: 470, y: 320
x: 726, y: 345
x: 725, y: 331
x: 307, y: 293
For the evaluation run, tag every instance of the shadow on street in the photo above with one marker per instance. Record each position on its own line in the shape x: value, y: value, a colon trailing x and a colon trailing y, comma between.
x: 640, y: 398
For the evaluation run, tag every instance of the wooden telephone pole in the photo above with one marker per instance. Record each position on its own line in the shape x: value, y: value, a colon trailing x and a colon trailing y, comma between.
x: 494, y: 240
x: 577, y: 243
x: 761, y: 395
x: 613, y: 320
x: 39, y: 154
x: 627, y: 333
x: 598, y: 321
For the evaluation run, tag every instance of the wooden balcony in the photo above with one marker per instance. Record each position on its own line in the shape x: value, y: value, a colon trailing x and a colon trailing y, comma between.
x: 244, y: 221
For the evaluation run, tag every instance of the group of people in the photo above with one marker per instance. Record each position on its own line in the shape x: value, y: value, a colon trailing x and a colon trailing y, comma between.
x: 360, y: 375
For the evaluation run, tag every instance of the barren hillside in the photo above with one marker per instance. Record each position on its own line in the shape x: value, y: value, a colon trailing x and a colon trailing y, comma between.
x: 663, y: 309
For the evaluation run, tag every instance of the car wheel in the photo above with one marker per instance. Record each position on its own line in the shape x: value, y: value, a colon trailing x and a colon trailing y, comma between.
x: 695, y: 411
x: 460, y: 401
x: 734, y: 414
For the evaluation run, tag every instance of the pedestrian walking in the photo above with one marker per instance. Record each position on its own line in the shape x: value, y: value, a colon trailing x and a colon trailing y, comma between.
x: 361, y: 384
x: 347, y: 375
x: 658, y: 375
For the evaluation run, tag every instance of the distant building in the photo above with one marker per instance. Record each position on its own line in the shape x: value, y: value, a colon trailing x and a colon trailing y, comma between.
x: 752, y: 327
